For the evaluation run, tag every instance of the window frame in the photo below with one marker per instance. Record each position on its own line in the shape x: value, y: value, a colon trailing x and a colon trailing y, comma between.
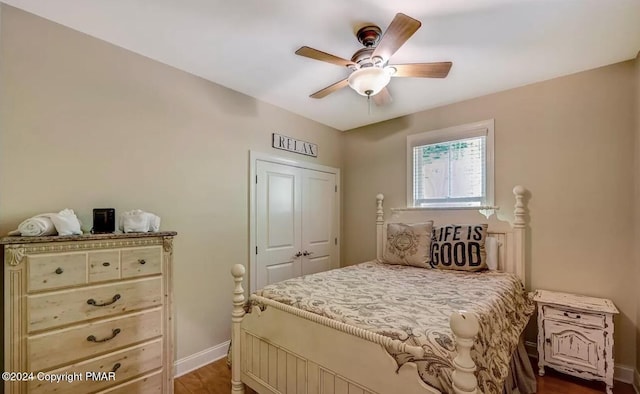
x: 469, y: 130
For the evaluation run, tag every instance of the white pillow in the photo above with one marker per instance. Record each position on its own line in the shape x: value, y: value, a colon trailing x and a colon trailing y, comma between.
x: 491, y: 246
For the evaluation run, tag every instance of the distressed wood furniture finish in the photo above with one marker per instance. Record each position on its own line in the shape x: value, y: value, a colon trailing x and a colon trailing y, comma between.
x: 575, y: 335
x: 89, y: 303
x: 284, y: 349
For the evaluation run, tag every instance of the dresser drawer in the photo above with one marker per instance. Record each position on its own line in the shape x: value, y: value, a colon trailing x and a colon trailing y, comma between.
x: 141, y: 261
x: 126, y: 364
x: 52, y: 349
x: 149, y: 384
x: 104, y: 265
x: 76, y: 305
x: 567, y: 315
x: 52, y: 271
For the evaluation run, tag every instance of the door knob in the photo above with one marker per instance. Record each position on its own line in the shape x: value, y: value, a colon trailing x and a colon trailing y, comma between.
x: 298, y: 254
x: 306, y: 253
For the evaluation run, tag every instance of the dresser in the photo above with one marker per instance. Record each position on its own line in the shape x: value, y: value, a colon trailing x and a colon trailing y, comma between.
x: 575, y: 335
x: 88, y: 313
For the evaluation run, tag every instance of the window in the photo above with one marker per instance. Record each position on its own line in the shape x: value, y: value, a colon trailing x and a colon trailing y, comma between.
x: 451, y: 167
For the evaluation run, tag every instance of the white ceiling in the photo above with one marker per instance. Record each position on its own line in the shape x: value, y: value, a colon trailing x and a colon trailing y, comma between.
x: 248, y: 45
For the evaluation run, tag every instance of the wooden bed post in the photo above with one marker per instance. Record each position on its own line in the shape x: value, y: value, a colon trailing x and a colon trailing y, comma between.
x: 379, y: 226
x: 237, y: 271
x: 465, y: 327
x: 519, y: 232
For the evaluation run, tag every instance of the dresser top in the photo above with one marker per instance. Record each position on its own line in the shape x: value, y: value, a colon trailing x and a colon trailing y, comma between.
x: 84, y: 237
x: 585, y: 303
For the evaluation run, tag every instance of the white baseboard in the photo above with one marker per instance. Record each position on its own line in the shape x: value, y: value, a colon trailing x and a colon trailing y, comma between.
x: 621, y: 373
x: 200, y: 359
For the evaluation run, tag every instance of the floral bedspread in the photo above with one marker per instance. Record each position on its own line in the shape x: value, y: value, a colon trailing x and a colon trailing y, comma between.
x: 413, y: 305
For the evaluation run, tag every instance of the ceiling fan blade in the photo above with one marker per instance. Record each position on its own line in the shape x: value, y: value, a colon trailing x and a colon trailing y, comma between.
x: 383, y: 97
x: 401, y: 28
x: 323, y: 56
x: 422, y: 70
x: 330, y: 89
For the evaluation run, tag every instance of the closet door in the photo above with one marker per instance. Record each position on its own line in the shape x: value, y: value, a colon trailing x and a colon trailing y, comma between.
x: 278, y: 223
x: 319, y: 192
x: 296, y: 222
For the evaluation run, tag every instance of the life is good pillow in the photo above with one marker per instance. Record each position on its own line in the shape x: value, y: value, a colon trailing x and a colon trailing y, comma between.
x: 408, y: 244
x: 459, y: 247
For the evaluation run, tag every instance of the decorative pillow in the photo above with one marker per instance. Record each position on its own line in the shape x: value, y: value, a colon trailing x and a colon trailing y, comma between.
x: 408, y: 244
x: 459, y: 247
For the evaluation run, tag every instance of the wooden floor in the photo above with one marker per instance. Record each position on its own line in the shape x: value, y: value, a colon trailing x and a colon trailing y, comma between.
x: 215, y: 379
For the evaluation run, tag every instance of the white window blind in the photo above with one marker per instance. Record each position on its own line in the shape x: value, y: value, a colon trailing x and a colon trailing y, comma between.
x: 451, y: 167
x: 450, y: 172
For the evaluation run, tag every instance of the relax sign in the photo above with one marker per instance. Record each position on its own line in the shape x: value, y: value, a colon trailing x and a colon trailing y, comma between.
x: 294, y: 145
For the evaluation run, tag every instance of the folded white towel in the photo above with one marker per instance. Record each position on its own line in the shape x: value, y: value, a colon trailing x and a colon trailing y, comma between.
x: 37, y: 226
x: 66, y: 222
x: 139, y: 221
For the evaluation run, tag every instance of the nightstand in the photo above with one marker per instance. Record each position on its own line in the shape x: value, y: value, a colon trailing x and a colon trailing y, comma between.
x: 575, y: 335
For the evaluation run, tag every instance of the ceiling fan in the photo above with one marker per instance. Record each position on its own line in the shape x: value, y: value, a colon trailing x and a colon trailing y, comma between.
x: 370, y: 71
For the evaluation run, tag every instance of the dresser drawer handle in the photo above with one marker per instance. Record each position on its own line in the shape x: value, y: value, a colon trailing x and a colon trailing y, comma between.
x: 114, y: 333
x: 93, y: 302
x: 141, y: 261
x: 575, y: 315
x: 59, y: 270
x: 106, y: 264
x: 116, y: 366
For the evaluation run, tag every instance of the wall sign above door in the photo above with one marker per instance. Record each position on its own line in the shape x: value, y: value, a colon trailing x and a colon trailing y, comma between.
x: 294, y: 145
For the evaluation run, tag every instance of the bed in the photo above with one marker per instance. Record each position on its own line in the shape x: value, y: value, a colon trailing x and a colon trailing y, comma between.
x: 301, y: 336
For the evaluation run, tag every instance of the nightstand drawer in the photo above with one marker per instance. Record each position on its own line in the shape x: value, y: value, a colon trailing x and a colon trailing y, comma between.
x: 574, y: 317
x: 566, y: 345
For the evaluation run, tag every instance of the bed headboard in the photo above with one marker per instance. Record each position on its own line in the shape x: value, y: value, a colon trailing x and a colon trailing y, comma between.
x: 511, y: 236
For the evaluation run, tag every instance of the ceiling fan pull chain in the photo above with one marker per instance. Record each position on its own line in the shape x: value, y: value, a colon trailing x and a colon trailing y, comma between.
x: 369, y: 103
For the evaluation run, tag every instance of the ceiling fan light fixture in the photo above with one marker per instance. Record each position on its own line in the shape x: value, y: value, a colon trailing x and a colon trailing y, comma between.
x: 369, y: 81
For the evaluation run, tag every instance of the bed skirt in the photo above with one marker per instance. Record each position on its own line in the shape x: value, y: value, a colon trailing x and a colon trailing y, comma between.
x: 521, y: 378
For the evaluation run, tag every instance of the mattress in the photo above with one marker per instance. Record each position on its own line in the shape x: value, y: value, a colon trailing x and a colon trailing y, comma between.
x: 413, y: 305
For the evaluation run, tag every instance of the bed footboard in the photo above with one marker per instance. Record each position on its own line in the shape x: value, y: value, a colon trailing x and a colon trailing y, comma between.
x: 463, y: 324
x: 237, y: 314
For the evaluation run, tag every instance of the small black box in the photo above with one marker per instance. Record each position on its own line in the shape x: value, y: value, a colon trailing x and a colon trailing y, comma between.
x: 104, y: 220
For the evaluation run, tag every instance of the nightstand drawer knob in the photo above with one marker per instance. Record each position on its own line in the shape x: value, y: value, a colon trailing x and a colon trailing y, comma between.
x: 574, y: 316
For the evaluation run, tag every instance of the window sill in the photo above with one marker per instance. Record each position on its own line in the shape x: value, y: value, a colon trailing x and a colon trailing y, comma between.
x: 486, y: 210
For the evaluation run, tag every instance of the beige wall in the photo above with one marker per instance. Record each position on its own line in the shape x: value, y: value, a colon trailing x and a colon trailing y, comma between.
x: 86, y: 124
x: 637, y: 216
x: 570, y: 142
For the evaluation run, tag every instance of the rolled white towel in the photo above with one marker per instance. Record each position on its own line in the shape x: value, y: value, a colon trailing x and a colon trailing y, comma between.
x: 66, y: 222
x: 139, y: 221
x: 39, y: 225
